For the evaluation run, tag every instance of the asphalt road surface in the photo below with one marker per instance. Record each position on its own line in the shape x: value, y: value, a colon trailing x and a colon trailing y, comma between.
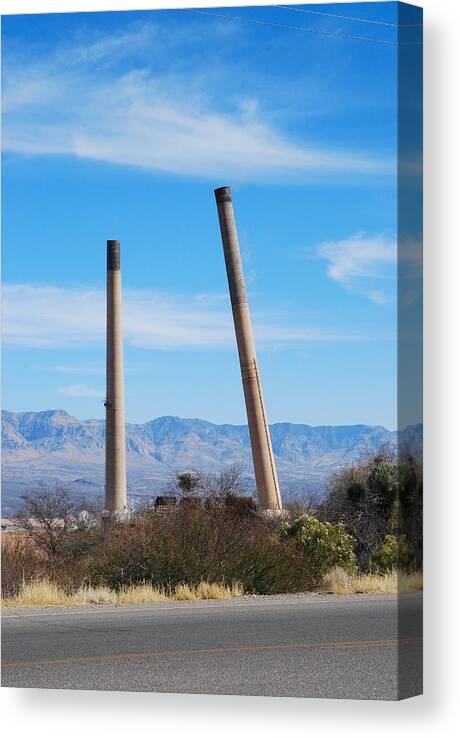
x: 291, y: 646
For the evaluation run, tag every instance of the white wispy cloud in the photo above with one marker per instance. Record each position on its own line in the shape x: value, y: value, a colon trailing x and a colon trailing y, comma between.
x: 80, y: 390
x: 85, y: 103
x: 45, y: 316
x: 363, y: 264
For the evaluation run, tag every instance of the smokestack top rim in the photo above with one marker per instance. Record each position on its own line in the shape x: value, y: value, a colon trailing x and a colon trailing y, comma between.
x: 223, y: 194
x: 113, y: 255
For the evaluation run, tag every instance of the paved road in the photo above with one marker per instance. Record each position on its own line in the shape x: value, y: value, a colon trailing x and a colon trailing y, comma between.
x: 300, y: 646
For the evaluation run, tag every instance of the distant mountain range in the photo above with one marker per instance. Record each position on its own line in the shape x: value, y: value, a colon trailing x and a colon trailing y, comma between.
x: 52, y: 448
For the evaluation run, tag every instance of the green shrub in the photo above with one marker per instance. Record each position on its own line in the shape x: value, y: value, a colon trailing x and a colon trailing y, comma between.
x: 325, y: 545
x: 394, y: 553
x: 217, y: 544
x: 364, y: 499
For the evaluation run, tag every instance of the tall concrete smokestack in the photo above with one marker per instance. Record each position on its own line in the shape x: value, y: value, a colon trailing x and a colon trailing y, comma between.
x: 268, y: 491
x: 115, y: 451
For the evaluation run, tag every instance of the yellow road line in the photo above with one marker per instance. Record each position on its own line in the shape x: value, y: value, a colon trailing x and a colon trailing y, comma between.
x: 216, y: 650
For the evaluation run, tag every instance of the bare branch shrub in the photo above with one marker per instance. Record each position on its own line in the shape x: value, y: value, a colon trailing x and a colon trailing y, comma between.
x: 302, y: 502
x: 22, y: 562
x: 49, y: 516
x: 192, y: 544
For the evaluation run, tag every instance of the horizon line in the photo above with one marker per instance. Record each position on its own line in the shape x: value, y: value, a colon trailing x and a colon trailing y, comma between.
x: 210, y: 422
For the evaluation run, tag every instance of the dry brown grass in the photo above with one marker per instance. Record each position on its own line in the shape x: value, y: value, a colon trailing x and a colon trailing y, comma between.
x: 47, y: 594
x: 207, y: 591
x: 21, y: 561
x: 340, y: 582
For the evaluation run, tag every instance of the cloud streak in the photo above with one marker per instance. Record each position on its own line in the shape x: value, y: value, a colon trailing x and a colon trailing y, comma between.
x: 80, y: 390
x: 45, y: 316
x: 96, y: 101
x: 362, y: 264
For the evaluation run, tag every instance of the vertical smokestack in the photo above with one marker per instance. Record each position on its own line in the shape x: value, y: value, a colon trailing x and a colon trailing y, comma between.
x: 264, y: 464
x: 115, y: 452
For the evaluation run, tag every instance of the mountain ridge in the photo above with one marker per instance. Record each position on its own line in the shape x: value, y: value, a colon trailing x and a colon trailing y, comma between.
x: 52, y: 447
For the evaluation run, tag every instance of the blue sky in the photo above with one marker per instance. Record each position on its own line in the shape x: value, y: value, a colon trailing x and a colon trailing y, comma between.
x: 120, y: 125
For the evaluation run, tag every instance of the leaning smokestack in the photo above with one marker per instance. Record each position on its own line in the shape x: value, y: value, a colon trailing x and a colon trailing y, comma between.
x: 264, y: 464
x: 115, y: 452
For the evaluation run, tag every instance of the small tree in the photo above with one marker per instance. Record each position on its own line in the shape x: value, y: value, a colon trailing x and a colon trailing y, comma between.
x: 364, y: 499
x: 228, y: 483
x: 302, y: 502
x: 325, y: 545
x: 215, y: 487
x: 187, y: 482
x: 49, y: 517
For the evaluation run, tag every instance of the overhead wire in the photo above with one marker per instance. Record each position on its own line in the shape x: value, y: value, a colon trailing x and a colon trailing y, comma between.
x: 349, y: 17
x: 330, y: 34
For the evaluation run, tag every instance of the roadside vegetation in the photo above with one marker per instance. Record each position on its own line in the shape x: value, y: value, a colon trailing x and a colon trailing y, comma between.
x: 341, y: 582
x: 206, y: 540
x: 44, y: 593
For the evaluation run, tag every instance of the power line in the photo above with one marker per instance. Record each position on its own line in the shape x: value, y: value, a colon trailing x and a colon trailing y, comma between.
x: 350, y: 18
x: 291, y: 28
x: 330, y: 34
